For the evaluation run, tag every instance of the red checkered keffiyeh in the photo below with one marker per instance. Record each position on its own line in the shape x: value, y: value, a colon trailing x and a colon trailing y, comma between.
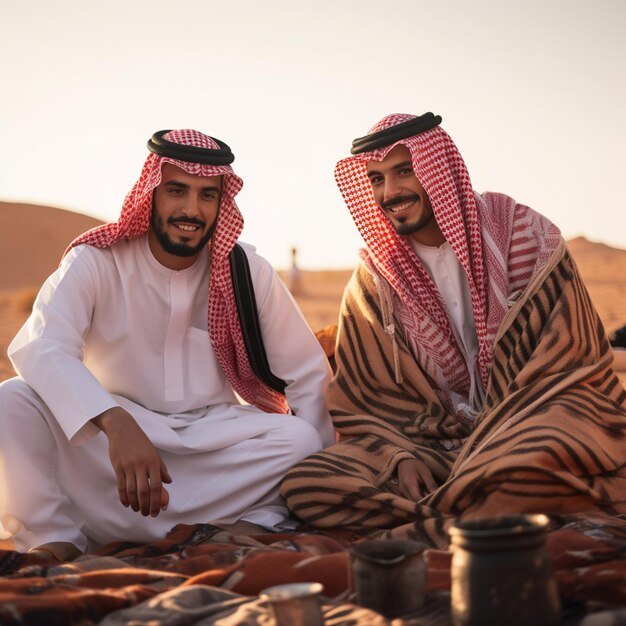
x: 499, y: 243
x: 223, y: 319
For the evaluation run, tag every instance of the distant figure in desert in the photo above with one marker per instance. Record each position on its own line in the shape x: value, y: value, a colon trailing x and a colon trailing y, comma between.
x: 618, y: 337
x: 294, y: 280
x: 473, y: 375
x: 124, y: 386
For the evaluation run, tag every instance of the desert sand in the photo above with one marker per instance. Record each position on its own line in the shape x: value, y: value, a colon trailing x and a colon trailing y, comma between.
x: 26, y: 260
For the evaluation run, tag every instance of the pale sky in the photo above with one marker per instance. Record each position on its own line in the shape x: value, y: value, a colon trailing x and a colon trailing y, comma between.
x: 532, y: 91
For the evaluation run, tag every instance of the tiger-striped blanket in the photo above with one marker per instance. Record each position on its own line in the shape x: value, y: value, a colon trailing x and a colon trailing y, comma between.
x: 551, y: 436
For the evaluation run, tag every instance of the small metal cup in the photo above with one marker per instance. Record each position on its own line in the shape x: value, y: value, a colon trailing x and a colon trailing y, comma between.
x: 389, y: 575
x: 295, y: 604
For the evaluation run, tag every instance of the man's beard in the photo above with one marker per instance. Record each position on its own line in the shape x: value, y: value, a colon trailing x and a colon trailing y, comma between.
x: 179, y: 248
x: 408, y: 228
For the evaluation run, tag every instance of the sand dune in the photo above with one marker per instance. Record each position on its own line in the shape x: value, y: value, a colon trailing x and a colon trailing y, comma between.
x: 33, y: 239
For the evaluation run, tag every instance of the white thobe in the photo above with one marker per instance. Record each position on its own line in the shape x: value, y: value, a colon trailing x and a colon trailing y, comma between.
x: 113, y: 327
x: 448, y: 275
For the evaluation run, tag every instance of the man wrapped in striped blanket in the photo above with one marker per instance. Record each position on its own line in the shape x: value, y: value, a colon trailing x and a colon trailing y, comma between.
x: 474, y: 376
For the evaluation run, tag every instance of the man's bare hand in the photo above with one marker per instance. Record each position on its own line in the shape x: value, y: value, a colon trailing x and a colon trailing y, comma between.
x: 139, y: 469
x: 409, y: 479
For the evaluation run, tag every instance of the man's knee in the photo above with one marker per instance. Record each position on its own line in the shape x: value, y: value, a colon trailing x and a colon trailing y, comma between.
x: 18, y: 402
x: 301, y: 437
x: 14, y: 393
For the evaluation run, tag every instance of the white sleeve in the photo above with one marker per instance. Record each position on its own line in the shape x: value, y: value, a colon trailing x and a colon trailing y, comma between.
x: 293, y: 352
x: 47, y: 351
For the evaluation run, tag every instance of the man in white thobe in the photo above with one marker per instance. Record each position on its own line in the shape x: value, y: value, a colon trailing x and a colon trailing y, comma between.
x: 133, y: 373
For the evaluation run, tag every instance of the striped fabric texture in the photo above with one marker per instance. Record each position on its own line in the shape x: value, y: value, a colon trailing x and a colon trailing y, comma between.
x: 550, y: 437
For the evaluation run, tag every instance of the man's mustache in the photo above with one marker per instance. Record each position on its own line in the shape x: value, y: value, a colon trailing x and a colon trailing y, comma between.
x: 399, y: 200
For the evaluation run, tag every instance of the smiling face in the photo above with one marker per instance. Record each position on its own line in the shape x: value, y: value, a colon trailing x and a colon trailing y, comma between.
x: 402, y: 198
x: 184, y: 216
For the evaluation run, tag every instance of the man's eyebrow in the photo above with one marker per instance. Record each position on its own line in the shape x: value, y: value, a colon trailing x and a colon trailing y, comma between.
x: 177, y: 183
x: 397, y: 166
x: 216, y: 189
x: 402, y: 165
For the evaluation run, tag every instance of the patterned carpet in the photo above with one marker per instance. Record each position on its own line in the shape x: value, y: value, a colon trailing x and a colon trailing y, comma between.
x: 202, y: 575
